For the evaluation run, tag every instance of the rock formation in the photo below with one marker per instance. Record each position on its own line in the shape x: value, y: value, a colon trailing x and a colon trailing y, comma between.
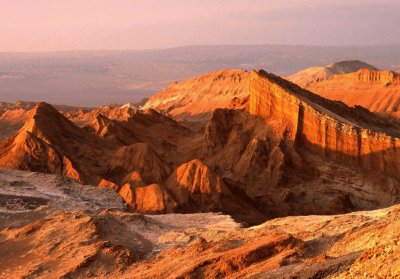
x: 194, y: 184
x: 329, y: 129
x: 152, y: 198
x: 13, y: 115
x: 135, y: 157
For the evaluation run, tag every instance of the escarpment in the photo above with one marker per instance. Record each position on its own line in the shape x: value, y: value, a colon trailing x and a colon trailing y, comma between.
x: 372, y: 76
x: 330, y: 129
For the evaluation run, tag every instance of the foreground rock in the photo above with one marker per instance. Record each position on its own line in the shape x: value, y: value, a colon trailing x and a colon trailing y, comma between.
x: 25, y: 196
x: 40, y: 241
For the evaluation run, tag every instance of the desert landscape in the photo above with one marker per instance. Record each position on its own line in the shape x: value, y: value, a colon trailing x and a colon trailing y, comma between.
x: 200, y: 139
x: 228, y: 165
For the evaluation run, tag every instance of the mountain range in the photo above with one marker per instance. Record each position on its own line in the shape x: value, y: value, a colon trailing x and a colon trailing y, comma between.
x: 248, y: 144
x: 93, y: 78
x: 254, y: 158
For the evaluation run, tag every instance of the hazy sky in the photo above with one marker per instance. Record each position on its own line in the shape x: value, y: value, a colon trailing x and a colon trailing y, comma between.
x: 42, y: 25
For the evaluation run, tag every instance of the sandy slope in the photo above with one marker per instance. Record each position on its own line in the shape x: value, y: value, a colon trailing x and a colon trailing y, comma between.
x: 196, y: 98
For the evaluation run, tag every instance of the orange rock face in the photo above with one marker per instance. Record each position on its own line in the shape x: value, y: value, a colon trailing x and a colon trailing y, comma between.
x: 138, y: 158
x: 51, y: 146
x: 147, y: 199
x: 303, y: 118
x: 194, y: 182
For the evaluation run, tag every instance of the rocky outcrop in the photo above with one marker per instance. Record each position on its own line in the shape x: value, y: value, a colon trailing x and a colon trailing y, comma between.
x: 293, y: 152
x: 48, y: 142
x: 372, y: 76
x: 151, y: 198
x: 141, y: 159
x: 303, y: 118
x: 195, y: 187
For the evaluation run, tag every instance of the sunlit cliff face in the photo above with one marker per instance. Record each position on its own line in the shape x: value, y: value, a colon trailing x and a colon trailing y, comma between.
x: 299, y: 117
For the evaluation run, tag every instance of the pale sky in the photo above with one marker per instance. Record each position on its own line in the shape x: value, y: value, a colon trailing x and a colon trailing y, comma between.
x: 53, y: 25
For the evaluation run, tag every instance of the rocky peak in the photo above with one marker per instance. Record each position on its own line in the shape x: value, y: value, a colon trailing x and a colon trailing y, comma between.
x: 193, y: 182
x: 47, y: 123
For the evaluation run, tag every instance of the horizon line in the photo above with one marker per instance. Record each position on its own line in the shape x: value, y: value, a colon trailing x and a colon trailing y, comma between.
x: 197, y: 45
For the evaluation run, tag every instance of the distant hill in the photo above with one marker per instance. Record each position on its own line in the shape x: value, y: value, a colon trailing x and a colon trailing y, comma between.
x: 195, y: 99
x: 96, y: 78
x: 354, y: 83
x: 316, y: 74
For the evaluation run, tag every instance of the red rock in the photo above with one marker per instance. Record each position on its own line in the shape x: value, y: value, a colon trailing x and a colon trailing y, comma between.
x: 147, y: 199
x: 330, y: 129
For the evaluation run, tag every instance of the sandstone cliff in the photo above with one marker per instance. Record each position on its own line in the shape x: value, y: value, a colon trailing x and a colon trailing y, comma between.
x: 303, y: 118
